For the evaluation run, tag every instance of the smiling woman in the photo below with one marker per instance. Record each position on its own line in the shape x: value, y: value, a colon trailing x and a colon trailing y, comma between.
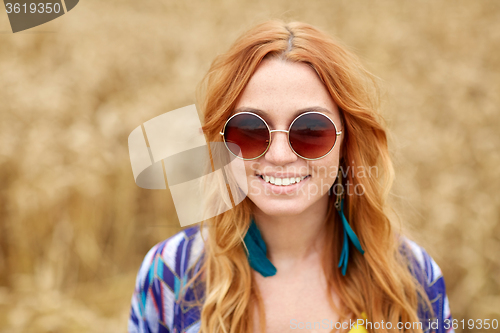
x: 301, y: 112
x: 283, y: 90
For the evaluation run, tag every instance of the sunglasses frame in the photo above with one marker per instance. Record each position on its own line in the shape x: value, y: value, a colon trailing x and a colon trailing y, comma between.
x: 284, y: 131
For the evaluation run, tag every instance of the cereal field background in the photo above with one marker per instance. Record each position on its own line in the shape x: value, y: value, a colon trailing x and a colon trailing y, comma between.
x: 74, y: 227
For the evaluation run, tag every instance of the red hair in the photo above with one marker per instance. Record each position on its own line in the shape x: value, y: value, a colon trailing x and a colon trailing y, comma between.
x: 378, y: 283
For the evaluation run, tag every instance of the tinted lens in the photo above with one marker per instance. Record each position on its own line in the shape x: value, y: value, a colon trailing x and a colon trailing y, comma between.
x: 249, y: 133
x: 312, y: 135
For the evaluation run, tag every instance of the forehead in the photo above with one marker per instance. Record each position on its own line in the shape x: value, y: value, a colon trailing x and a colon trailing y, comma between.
x: 283, y: 89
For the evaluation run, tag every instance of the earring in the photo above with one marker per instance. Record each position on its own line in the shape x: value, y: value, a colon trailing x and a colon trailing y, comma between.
x: 348, y: 232
x: 257, y: 252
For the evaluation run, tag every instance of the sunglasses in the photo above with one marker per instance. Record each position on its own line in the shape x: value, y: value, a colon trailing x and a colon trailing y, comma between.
x: 311, y: 136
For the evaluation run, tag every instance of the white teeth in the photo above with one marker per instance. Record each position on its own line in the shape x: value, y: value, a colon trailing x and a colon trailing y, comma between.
x: 282, y: 181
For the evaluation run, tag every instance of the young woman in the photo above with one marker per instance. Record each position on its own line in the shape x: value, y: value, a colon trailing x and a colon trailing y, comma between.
x: 311, y: 246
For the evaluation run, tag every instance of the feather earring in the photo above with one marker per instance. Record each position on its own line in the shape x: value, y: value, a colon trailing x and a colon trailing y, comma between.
x: 257, y: 252
x: 348, y: 232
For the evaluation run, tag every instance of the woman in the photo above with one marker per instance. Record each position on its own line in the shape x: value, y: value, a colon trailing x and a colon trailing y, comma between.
x: 311, y: 246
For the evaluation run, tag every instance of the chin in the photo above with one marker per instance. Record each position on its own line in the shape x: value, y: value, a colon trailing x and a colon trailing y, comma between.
x: 279, y: 208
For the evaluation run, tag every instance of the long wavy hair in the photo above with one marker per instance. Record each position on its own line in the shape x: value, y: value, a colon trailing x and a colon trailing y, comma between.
x: 378, y: 283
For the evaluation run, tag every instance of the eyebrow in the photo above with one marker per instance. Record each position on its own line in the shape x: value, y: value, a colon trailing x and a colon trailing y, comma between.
x: 263, y: 113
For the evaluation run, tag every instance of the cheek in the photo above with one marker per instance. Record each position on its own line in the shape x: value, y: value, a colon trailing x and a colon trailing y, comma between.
x: 252, y: 182
x: 250, y: 166
x: 327, y: 168
x: 237, y: 179
x: 323, y: 179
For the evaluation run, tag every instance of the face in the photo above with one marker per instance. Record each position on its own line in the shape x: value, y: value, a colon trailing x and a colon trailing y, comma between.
x: 279, y: 91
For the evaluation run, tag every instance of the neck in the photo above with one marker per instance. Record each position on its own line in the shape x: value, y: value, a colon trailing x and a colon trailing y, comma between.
x: 293, y: 238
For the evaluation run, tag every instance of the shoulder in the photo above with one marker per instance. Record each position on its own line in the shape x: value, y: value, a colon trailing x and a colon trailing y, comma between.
x: 166, y: 267
x: 421, y: 261
x: 181, y: 251
x: 178, y: 253
x: 429, y: 275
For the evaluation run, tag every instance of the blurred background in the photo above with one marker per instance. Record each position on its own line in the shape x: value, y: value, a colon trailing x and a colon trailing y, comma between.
x: 74, y: 227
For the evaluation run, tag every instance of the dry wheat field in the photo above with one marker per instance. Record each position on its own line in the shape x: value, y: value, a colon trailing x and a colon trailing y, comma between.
x: 74, y: 227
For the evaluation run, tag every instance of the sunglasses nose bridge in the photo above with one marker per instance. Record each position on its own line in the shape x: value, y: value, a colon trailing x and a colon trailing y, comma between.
x: 284, y: 131
x: 279, y: 150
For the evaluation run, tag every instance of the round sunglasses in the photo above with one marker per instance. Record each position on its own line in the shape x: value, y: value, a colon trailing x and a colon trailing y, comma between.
x: 311, y: 136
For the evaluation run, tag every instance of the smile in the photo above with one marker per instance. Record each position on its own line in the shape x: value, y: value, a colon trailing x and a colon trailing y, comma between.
x: 282, y: 181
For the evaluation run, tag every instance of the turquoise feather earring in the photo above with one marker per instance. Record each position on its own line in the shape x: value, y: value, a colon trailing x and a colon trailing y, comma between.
x: 257, y: 252
x: 348, y: 232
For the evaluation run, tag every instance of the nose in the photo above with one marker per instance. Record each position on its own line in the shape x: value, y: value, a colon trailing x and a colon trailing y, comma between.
x: 280, y: 153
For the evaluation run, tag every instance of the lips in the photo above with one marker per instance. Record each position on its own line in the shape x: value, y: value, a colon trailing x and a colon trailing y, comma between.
x: 283, y: 181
